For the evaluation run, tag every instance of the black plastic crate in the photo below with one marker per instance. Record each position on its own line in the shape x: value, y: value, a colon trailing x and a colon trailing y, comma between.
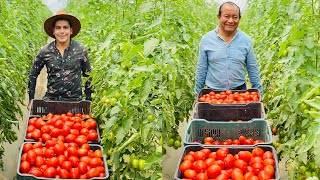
x: 41, y: 107
x: 233, y: 150
x: 32, y: 140
x: 22, y: 176
x: 204, y: 91
x: 224, y: 112
x: 198, y: 129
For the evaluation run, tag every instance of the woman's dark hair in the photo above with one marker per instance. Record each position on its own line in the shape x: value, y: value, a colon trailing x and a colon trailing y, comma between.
x: 230, y: 3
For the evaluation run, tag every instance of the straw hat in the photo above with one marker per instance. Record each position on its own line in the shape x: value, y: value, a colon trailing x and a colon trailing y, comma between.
x: 50, y: 22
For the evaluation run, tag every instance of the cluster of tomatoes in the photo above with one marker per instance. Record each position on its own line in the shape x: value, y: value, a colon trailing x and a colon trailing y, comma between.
x: 64, y: 127
x: 228, y: 97
x: 222, y: 165
x: 241, y: 141
x: 56, y: 159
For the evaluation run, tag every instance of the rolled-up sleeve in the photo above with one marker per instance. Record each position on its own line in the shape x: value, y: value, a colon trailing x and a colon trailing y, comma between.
x: 202, y: 68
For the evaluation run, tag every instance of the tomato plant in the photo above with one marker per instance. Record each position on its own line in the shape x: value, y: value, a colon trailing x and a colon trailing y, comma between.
x: 142, y: 54
x: 21, y: 37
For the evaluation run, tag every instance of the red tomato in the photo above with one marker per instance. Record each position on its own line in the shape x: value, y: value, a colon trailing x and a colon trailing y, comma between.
x: 46, y: 129
x: 82, y: 152
x: 208, y: 139
x: 94, y: 172
x: 263, y: 175
x: 95, y: 162
x: 101, y: 169
x: 24, y: 157
x: 74, y: 161
x: 241, y: 164
x: 86, y: 159
x: 50, y: 172
x: 55, y: 132
x: 257, y: 167
x: 48, y: 153
x: 64, y: 174
x: 77, y: 126
x: 70, y: 138
x: 84, y: 131
x: 31, y: 156
x: 219, y: 163
x: 222, y: 153
x: 50, y: 143
x: 59, y: 149
x: 202, y: 176
x: 39, y: 161
x: 24, y: 167
x: 72, y: 151
x: 81, y: 139
x: 269, y: 162
x: 74, y: 173
x: 190, y: 174
x: 85, y: 146
x: 245, y: 155
x: 256, y: 159
x: 254, y: 178
x: 209, y: 161
x: 257, y: 152
x: 61, y: 158
x: 199, y: 155
x: 92, y: 136
x: 66, y: 165
x: 229, y: 160
x: 269, y: 170
x: 237, y: 174
x: 222, y: 177
x: 36, y: 172
x: 213, y: 171
x: 36, y: 134
x: 52, y: 162
x: 248, y: 175
x: 188, y: 157
x: 268, y: 155
x: 65, y: 130
x: 69, y: 114
x: 98, y: 153
x: 199, y: 166
x: 213, y: 155
x: 83, y: 167
x: 26, y: 147
x: 206, y: 151
x: 30, y: 128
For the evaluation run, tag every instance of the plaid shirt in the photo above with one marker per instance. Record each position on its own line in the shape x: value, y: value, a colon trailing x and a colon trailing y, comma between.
x: 64, y: 73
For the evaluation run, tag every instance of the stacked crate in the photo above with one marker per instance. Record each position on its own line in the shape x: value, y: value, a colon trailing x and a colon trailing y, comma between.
x: 39, y: 109
x: 224, y: 122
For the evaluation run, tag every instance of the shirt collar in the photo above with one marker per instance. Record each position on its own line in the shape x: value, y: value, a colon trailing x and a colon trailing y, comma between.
x: 217, y: 28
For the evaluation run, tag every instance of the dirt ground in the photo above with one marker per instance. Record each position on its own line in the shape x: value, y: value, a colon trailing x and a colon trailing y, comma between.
x: 171, y: 158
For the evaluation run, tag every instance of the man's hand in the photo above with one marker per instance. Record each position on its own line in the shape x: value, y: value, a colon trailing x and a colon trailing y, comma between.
x: 29, y: 104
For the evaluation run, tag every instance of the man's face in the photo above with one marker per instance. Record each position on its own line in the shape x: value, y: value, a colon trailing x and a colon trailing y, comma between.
x: 62, y: 31
x: 229, y: 18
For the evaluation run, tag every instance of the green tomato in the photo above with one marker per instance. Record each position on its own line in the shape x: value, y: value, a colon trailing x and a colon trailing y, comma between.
x: 170, y: 135
x: 117, y: 95
x: 160, y: 142
x: 273, y: 46
x: 312, y: 165
x: 170, y: 142
x: 302, y: 169
x: 150, y: 117
x: 135, y: 163
x: 177, y: 144
x: 113, y: 101
x: 308, y: 174
x: 285, y: 52
x: 141, y: 164
x: 178, y: 138
x: 132, y: 157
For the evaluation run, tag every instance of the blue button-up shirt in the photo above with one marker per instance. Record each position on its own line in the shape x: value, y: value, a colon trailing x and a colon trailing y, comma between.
x: 221, y: 66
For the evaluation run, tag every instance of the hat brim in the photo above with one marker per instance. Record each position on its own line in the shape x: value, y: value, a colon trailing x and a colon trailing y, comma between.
x: 75, y: 24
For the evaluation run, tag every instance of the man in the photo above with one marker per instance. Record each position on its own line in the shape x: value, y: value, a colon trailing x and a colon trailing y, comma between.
x: 225, y: 54
x: 64, y: 58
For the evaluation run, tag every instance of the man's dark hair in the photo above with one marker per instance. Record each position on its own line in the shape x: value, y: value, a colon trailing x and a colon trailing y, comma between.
x: 230, y: 3
x: 65, y: 19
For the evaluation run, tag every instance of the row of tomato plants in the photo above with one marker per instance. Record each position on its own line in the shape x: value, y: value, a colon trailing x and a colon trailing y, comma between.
x: 21, y: 36
x: 287, y: 38
x: 143, y: 57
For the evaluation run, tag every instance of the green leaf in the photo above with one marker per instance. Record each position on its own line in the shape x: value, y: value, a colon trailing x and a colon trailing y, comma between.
x: 314, y: 102
x: 150, y: 45
x: 144, y: 68
x: 115, y: 110
x: 145, y: 7
x: 156, y: 101
x: 308, y: 93
x: 145, y: 90
x: 120, y: 135
x: 145, y: 131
